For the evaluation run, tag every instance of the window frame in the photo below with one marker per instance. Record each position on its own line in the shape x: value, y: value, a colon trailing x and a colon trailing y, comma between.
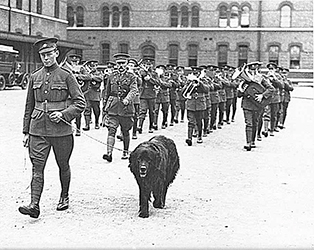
x: 105, y: 57
x: 285, y: 20
x: 223, y: 19
x: 195, y: 16
x: 125, y: 17
x: 104, y: 16
x: 173, y: 53
x: 243, y: 59
x: 222, y: 54
x: 192, y: 57
x: 70, y: 21
x: 39, y: 6
x: 184, y: 16
x: 79, y: 20
x: 115, y: 17
x: 57, y: 9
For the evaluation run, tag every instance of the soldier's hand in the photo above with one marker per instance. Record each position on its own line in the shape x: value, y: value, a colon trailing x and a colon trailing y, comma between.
x: 55, y: 116
x: 259, y: 97
x: 26, y: 140
x: 125, y: 102
x: 146, y: 78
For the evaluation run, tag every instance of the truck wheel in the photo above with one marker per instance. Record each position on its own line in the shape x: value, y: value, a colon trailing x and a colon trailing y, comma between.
x: 2, y: 83
x: 24, y: 81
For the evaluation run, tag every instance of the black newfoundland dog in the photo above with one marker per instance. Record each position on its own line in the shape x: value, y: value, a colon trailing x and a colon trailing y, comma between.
x: 154, y: 164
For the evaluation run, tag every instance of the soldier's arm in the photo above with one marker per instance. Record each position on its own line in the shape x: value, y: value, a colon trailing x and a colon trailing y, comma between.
x: 133, y: 89
x: 269, y: 88
x: 78, y: 101
x: 29, y: 106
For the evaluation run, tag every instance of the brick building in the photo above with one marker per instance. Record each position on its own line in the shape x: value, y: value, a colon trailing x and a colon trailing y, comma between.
x: 196, y: 32
x: 22, y: 22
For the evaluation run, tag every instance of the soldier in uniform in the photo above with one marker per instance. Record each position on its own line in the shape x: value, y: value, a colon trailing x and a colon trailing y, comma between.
x: 82, y: 77
x: 230, y: 91
x: 132, y: 67
x: 196, y: 104
x: 173, y: 78
x: 46, y: 122
x: 150, y: 83
x: 214, y: 96
x: 275, y: 104
x: 163, y: 96
x: 92, y: 95
x: 120, y: 92
x: 288, y: 87
x: 220, y: 75
x: 180, y: 100
x: 251, y: 111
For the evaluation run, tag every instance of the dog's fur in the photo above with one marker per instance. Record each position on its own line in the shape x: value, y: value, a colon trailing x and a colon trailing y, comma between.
x: 154, y: 164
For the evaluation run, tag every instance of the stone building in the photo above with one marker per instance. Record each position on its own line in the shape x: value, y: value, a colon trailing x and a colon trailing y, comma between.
x: 22, y: 22
x: 196, y: 32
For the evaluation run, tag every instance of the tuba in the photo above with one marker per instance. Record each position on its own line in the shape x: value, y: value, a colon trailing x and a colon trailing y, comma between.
x: 193, y: 83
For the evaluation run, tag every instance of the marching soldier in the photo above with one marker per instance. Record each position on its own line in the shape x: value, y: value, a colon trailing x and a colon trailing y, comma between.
x: 82, y: 76
x: 92, y: 95
x: 120, y: 92
x: 288, y: 87
x: 250, y: 109
x: 222, y: 95
x: 180, y: 100
x: 148, y: 94
x: 230, y: 91
x: 275, y: 104
x: 46, y: 122
x: 173, y: 77
x: 195, y: 91
x: 163, y: 97
x: 214, y: 96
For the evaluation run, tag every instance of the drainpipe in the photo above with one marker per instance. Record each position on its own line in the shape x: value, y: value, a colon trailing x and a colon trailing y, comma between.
x: 30, y: 17
x: 259, y: 35
x: 9, y: 18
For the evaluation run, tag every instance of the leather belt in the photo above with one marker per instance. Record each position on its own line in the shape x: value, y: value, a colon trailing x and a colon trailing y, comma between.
x: 50, y: 106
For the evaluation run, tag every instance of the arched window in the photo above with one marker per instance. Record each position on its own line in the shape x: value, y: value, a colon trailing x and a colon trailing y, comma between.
x: 195, y: 16
x: 223, y: 16
x: 285, y: 16
x: 115, y: 17
x: 234, y: 17
x: 245, y: 16
x: 105, y: 53
x: 184, y: 16
x: 124, y: 48
x: 192, y: 54
x: 243, y: 54
x: 39, y: 7
x: 295, y: 56
x: 222, y: 55
x: 148, y: 51
x: 70, y: 16
x: 57, y: 8
x: 173, y: 16
x: 173, y: 54
x: 125, y: 17
x: 273, y: 56
x: 79, y: 16
x: 105, y: 16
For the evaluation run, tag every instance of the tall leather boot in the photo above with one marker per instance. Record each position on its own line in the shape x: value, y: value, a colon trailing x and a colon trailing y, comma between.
x: 189, y: 140
x: 110, y: 144
x: 87, y: 122
x: 140, y: 125
x: 126, y: 144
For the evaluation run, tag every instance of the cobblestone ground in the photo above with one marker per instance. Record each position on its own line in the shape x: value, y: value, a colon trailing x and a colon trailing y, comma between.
x: 223, y: 196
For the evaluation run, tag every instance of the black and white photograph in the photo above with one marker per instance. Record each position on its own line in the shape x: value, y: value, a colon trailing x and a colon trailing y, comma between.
x: 156, y: 124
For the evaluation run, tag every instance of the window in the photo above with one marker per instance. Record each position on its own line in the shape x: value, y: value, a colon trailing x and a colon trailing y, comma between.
x: 245, y: 17
x: 274, y: 54
x: 184, y: 16
x: 57, y: 8
x: 105, y: 53
x: 19, y: 4
x: 222, y: 55
x: 195, y: 17
x: 79, y: 16
x: 123, y: 48
x: 192, y: 55
x: 295, y: 52
x: 115, y: 17
x: 173, y: 53
x: 223, y: 16
x: 234, y: 17
x: 125, y: 17
x: 148, y: 51
x: 285, y: 16
x: 105, y: 17
x: 243, y: 54
x: 39, y: 6
x: 70, y: 16
x: 173, y: 16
